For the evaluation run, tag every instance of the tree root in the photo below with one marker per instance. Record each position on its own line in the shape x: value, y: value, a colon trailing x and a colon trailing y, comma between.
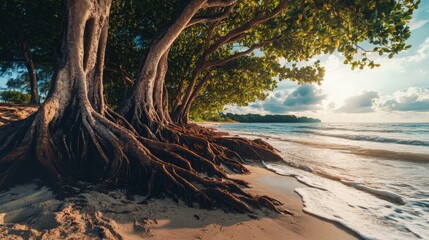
x: 85, y: 145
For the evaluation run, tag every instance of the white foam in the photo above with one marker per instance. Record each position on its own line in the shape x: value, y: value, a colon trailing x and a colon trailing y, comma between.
x: 391, y: 196
x: 359, y: 211
x: 353, y: 190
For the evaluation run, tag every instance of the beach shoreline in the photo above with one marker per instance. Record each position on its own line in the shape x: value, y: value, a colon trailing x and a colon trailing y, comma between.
x: 32, y: 212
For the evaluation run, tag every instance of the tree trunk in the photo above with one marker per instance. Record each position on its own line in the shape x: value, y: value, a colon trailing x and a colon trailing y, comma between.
x: 139, y: 109
x: 194, y: 95
x: 177, y: 101
x: 74, y: 102
x: 74, y: 136
x: 180, y: 115
x: 160, y: 95
x: 29, y: 64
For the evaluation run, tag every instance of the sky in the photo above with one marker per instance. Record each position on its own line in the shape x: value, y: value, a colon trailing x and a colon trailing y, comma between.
x: 397, y: 91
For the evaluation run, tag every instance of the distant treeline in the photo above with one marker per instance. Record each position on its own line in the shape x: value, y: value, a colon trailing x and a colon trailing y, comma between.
x: 256, y: 118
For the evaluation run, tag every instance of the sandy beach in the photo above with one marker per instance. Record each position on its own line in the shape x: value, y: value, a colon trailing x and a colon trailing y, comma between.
x: 32, y: 212
x: 13, y: 112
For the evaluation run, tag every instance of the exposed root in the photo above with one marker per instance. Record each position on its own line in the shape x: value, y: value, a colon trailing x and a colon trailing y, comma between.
x: 205, y: 148
x: 256, y: 149
x: 207, y: 192
x: 86, y: 145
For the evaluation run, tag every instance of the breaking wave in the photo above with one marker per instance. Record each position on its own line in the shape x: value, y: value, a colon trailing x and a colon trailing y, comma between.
x: 370, y: 138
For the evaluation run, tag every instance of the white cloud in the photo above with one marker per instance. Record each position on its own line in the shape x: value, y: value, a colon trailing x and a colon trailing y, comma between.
x: 413, y: 99
x: 422, y: 53
x: 407, y: 71
x: 417, y: 24
x: 369, y: 106
x: 304, y: 98
x: 363, y: 103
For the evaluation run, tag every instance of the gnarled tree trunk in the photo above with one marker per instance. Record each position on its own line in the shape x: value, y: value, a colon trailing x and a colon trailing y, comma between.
x: 48, y: 139
x: 160, y: 94
x: 74, y: 136
x: 139, y: 109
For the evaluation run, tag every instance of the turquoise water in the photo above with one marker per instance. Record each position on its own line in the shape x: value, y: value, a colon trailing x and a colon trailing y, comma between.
x: 371, y: 177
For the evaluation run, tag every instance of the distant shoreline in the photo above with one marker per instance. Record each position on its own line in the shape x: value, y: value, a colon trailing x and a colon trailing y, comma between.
x: 256, y: 118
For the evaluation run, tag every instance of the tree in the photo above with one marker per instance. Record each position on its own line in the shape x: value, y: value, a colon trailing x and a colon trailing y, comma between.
x: 27, y: 40
x: 75, y: 136
x: 297, y: 31
x: 241, y: 81
x: 14, y: 97
x: 146, y: 105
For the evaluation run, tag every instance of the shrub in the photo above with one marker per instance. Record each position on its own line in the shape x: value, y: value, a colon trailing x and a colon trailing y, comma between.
x: 15, y: 97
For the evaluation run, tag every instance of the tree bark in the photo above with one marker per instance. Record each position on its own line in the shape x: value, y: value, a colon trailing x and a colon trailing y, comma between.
x: 29, y: 64
x: 68, y: 122
x: 199, y: 87
x: 180, y: 114
x: 139, y: 109
x: 75, y: 137
x: 160, y: 95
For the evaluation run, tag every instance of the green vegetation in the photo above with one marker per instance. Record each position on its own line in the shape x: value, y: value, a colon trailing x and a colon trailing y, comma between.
x: 127, y: 73
x: 256, y: 118
x: 29, y: 34
x: 15, y: 97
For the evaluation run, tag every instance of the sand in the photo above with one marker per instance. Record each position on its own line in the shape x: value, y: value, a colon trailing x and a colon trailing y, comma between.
x: 12, y: 112
x: 34, y: 211
x: 31, y: 212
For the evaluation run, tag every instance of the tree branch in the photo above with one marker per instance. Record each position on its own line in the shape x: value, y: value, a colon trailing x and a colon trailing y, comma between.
x: 126, y: 77
x: 220, y: 3
x: 211, y: 18
x: 209, y: 36
x: 217, y: 63
x: 248, y: 25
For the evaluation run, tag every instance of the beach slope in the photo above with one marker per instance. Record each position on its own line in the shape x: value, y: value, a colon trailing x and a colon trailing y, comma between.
x: 33, y: 212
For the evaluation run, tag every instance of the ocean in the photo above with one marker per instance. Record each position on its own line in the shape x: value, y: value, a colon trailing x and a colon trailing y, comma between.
x: 372, y: 178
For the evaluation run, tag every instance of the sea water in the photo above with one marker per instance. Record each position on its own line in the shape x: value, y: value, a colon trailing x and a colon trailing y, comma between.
x: 373, y: 178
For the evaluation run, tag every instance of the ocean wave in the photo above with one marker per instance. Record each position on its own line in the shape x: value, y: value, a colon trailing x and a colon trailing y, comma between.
x: 357, y: 207
x: 370, y: 138
x: 367, y: 152
x: 380, y: 205
x: 382, y: 194
x: 363, y: 129
x: 350, y: 129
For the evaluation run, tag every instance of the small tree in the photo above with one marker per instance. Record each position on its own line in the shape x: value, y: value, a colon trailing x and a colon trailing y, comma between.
x: 14, y: 97
x: 29, y: 33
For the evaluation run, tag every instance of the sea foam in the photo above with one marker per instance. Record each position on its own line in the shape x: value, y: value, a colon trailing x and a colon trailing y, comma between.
x: 359, y: 211
x: 371, y: 183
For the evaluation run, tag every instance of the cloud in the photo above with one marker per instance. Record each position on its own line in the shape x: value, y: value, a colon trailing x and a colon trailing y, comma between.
x: 304, y: 98
x: 417, y: 24
x: 413, y: 99
x: 363, y: 103
x: 421, y: 54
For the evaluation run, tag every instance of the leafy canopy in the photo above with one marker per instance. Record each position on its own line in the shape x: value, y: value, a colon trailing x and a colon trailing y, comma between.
x: 293, y: 31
